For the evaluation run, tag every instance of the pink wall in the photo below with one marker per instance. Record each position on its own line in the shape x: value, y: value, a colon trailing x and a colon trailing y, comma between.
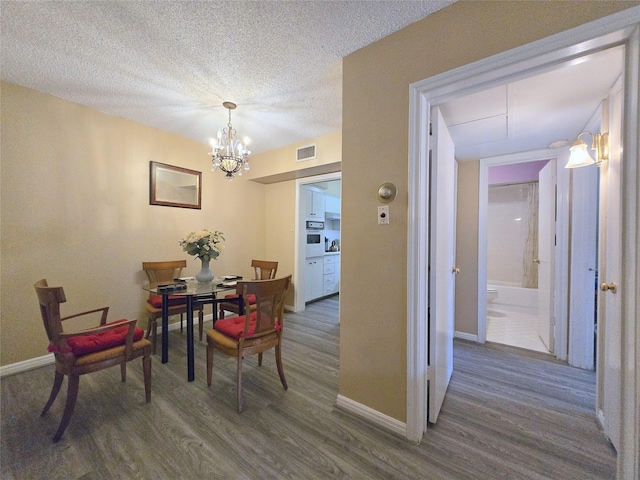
x: 515, y: 172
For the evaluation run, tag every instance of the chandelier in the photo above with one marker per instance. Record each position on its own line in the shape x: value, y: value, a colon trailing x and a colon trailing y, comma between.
x: 228, y: 153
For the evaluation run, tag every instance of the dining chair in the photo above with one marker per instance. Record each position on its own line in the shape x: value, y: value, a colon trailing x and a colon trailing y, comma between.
x: 166, y: 272
x: 89, y: 350
x: 253, y: 333
x: 262, y: 270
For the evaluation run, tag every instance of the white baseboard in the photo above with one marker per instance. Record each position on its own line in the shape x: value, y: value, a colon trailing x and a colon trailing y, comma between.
x: 48, y: 359
x: 466, y: 336
x: 26, y: 365
x: 373, y: 416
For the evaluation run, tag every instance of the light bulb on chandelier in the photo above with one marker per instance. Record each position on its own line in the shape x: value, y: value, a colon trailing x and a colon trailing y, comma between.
x: 228, y: 153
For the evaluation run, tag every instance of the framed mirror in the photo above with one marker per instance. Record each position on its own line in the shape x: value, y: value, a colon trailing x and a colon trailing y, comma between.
x: 174, y: 186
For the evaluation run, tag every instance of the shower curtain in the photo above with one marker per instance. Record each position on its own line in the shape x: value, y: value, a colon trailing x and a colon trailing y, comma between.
x: 529, y: 268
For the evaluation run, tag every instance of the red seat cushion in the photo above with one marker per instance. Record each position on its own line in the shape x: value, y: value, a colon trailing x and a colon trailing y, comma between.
x: 95, y: 342
x: 156, y: 300
x: 251, y: 297
x: 233, y: 327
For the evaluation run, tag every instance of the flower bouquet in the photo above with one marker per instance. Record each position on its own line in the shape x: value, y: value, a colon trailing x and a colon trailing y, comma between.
x: 206, y: 246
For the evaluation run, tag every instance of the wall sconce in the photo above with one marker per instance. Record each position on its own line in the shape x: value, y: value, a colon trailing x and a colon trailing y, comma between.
x: 387, y: 192
x: 580, y: 156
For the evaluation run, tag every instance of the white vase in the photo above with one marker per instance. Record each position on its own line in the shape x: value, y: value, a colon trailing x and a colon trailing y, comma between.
x: 204, y: 275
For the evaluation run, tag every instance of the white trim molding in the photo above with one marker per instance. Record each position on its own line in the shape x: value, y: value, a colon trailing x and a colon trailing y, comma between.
x: 466, y: 336
x: 373, y: 416
x: 26, y: 365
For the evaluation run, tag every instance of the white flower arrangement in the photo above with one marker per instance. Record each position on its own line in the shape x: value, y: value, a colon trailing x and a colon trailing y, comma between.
x: 204, y: 245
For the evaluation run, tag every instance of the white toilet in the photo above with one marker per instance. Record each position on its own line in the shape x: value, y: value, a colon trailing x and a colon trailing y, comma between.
x: 492, y: 293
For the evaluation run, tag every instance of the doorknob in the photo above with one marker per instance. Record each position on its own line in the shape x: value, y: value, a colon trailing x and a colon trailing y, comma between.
x: 536, y: 260
x: 455, y: 270
x: 612, y: 287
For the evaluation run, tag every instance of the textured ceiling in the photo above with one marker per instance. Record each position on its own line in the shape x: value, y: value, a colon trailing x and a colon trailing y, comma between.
x: 171, y: 64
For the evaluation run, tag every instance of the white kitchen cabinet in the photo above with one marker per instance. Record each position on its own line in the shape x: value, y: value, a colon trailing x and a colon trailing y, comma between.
x: 314, y: 273
x: 331, y: 277
x: 332, y: 206
x: 315, y: 204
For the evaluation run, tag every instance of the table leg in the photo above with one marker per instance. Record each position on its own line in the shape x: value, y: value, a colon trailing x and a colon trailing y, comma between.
x: 165, y: 328
x: 190, y: 372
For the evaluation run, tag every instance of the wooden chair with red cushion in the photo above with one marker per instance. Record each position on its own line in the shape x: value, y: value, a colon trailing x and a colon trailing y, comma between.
x: 89, y: 350
x: 262, y: 270
x: 166, y: 272
x: 254, y: 333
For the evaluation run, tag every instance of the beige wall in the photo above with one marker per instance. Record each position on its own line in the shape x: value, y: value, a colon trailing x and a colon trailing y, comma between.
x: 467, y: 248
x: 280, y: 165
x: 280, y: 230
x: 75, y: 210
x: 376, y: 83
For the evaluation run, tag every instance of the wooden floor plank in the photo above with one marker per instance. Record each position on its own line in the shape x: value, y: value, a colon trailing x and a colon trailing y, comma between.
x: 507, y: 414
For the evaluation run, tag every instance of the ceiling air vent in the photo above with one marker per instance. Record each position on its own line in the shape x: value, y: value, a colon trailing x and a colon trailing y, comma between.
x: 306, y: 153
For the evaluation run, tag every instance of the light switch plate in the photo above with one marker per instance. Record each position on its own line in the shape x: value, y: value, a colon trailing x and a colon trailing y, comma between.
x: 383, y: 215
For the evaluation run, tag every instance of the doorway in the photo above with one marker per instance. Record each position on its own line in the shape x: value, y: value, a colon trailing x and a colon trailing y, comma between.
x: 300, y: 233
x: 513, y: 217
x: 519, y: 63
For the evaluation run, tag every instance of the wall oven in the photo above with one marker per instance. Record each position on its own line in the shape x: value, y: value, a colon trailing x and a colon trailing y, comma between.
x: 314, y: 239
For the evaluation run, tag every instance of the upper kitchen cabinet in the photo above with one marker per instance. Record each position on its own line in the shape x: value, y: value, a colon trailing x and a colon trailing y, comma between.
x: 331, y: 206
x: 315, y: 204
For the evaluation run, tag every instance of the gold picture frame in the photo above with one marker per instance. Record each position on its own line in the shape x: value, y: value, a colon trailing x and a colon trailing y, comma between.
x: 172, y: 186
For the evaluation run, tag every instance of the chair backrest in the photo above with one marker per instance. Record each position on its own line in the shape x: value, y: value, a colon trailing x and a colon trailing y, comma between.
x: 50, y: 299
x: 270, y: 295
x: 159, y: 272
x: 264, y: 269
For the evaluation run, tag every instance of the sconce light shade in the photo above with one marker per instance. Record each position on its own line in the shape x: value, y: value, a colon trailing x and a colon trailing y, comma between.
x: 579, y: 156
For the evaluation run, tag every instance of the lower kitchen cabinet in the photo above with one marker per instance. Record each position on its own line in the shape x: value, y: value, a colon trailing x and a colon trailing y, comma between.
x: 322, y: 276
x: 331, y: 281
x: 314, y: 272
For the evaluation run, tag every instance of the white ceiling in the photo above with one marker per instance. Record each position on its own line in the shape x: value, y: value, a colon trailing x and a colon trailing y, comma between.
x: 533, y: 112
x: 171, y: 64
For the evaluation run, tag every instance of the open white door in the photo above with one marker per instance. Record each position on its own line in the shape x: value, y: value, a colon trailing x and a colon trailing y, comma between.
x: 609, y: 261
x: 582, y: 280
x: 546, y: 252
x: 442, y: 263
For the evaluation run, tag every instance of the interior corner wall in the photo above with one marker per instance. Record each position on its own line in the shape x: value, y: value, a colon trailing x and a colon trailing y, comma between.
x: 375, y: 113
x: 280, y: 231
x: 466, y: 320
x: 75, y: 210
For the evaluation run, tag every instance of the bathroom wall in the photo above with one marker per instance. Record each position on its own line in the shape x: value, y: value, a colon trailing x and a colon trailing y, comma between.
x: 512, y: 224
x: 508, y: 230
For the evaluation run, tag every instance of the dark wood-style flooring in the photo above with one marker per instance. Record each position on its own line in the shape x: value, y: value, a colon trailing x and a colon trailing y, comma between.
x: 506, y: 415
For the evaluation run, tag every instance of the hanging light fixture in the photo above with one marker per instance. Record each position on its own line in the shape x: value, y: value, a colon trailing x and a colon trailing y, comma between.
x: 580, y: 156
x: 228, y: 153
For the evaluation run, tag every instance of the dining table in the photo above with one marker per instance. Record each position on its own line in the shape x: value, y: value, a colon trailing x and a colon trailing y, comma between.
x: 194, y: 293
